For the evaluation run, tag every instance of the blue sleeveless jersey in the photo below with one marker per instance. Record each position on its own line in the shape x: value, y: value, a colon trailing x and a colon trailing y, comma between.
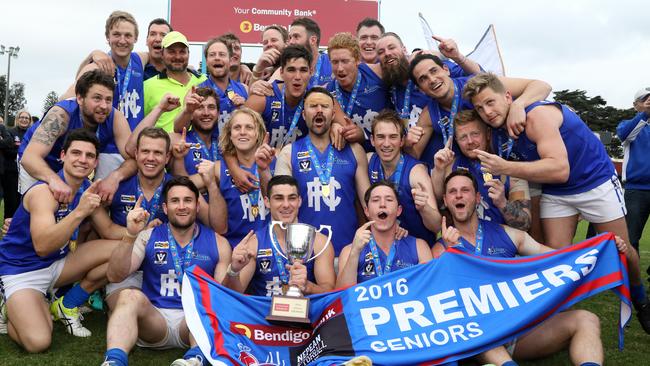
x: 125, y: 197
x: 336, y: 210
x: 323, y: 75
x: 132, y: 103
x: 410, y: 218
x: 266, y: 279
x: 496, y: 242
x: 104, y: 132
x: 371, y: 98
x: 486, y: 210
x: 240, y: 211
x: 406, y: 255
x: 590, y: 166
x: 437, y: 113
x: 159, y: 281
x: 226, y: 106
x: 17, y: 253
x: 417, y: 100
x: 198, y: 152
x: 278, y: 122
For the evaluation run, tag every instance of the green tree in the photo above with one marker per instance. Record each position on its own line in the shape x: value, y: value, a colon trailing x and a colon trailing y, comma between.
x: 50, y: 100
x: 16, y: 98
x: 599, y: 117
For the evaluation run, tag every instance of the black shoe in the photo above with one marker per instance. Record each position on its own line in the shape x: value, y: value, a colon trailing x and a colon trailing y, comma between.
x: 643, y: 313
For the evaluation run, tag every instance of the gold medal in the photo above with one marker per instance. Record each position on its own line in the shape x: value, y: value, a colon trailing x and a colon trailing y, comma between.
x: 487, y: 177
x: 231, y: 94
x: 255, y: 210
x: 325, y: 190
x: 72, y: 244
x: 285, y: 287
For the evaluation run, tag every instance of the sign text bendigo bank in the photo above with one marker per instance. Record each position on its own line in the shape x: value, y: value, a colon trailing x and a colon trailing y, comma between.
x: 202, y: 20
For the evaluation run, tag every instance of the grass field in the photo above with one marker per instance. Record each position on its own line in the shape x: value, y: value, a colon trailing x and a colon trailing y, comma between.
x: 68, y: 350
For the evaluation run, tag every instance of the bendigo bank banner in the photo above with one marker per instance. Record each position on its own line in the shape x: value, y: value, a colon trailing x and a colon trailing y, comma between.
x: 448, y: 309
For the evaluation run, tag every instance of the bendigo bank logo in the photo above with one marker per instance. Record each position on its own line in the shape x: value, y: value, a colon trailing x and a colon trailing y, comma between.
x: 270, y: 335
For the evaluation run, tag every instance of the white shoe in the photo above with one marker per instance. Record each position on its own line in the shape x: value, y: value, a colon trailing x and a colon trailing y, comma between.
x: 3, y: 315
x: 194, y: 361
x: 71, y: 318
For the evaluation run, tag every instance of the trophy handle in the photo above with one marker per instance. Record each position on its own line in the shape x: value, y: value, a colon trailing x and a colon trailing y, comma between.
x: 282, y: 226
x: 328, y: 242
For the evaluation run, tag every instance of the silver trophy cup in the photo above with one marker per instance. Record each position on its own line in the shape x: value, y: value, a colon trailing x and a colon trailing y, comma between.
x: 300, y: 245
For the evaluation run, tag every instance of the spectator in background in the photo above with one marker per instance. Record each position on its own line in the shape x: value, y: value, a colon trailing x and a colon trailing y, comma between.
x: 635, y: 135
x: 5, y: 143
x: 10, y: 178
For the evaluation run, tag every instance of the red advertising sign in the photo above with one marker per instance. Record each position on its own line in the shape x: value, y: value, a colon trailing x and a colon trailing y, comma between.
x: 201, y: 20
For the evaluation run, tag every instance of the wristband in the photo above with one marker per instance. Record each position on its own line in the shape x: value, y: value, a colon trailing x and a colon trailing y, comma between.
x: 230, y: 272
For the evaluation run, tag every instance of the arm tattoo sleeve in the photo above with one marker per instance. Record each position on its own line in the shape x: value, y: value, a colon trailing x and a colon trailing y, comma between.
x: 54, y: 125
x: 517, y: 214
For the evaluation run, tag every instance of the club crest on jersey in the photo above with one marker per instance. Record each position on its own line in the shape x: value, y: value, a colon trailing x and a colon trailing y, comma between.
x: 196, y: 154
x: 305, y: 166
x: 127, y: 198
x: 161, y: 245
x: 275, y: 115
x: 374, y: 175
x: 368, y: 268
x: 161, y: 257
x: 265, y: 266
x: 261, y: 253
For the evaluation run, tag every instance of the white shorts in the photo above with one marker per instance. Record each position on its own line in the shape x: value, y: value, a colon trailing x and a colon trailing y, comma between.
x: 134, y: 280
x: 24, y: 180
x: 40, y: 280
x: 535, y: 189
x: 602, y: 204
x: 106, y: 164
x: 173, y: 318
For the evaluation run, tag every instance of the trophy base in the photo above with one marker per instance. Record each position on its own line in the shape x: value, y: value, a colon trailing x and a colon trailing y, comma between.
x: 289, y: 311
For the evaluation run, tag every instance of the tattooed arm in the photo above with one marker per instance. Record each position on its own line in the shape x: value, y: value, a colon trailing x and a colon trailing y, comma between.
x: 54, y: 125
x: 517, y: 214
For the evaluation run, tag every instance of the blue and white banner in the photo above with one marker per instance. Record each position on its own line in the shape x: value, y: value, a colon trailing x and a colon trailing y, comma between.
x: 445, y: 310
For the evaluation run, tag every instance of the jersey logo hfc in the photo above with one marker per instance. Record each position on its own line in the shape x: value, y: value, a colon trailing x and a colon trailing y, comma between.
x: 315, y: 194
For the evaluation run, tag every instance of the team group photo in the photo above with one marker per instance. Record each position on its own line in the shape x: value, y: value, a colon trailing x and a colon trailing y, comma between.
x: 296, y: 183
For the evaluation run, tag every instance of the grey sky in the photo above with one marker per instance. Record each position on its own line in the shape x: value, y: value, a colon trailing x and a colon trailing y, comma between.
x: 599, y: 46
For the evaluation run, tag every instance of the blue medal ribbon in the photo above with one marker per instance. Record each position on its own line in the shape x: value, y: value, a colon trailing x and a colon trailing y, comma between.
x: 179, y: 267
x: 447, y: 124
x: 296, y: 117
x: 152, y: 206
x: 347, y: 108
x: 375, y: 257
x: 254, y: 194
x: 478, y: 248
x: 397, y: 175
x: 504, y: 147
x: 221, y: 94
x: 323, y: 174
x: 405, y: 111
x: 123, y: 80
x: 279, y: 261
x: 71, y: 206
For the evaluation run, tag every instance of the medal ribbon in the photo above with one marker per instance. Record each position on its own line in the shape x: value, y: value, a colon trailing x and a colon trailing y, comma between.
x: 296, y: 117
x: 447, y: 127
x: 123, y: 80
x: 375, y: 257
x: 505, y: 148
x: 279, y: 261
x: 353, y: 96
x: 405, y: 112
x: 153, y: 206
x: 479, y: 238
x: 254, y: 194
x: 72, y: 243
x: 213, y: 152
x: 397, y: 176
x: 323, y: 175
x: 179, y: 267
x: 221, y: 94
